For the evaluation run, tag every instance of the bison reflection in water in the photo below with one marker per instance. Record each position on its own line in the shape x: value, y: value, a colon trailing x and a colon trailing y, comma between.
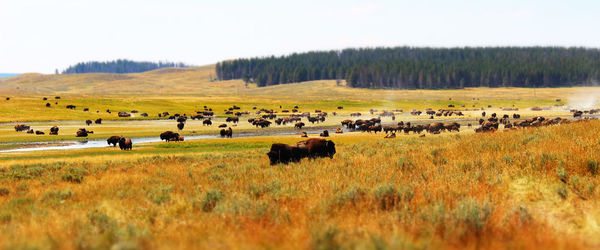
x: 311, y: 148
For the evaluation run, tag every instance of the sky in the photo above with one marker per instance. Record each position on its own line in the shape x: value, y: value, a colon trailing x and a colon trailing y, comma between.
x: 44, y: 35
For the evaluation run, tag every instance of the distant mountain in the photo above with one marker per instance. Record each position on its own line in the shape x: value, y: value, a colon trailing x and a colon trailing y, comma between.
x: 119, y: 66
x: 4, y: 75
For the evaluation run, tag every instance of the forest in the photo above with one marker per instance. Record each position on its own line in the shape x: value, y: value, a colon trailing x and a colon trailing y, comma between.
x: 118, y: 66
x: 424, y: 68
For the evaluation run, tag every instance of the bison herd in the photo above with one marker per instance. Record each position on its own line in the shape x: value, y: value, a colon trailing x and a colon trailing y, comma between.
x: 318, y: 147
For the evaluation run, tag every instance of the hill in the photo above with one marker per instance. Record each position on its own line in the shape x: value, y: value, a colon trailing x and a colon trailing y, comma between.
x: 118, y: 66
x: 159, y: 81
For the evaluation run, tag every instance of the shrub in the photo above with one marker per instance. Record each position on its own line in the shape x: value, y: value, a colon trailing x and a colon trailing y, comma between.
x: 74, y: 175
x: 160, y: 194
x: 211, y: 199
x: 327, y: 239
x: 56, y: 197
x: 592, y: 166
x: 350, y: 197
x: 4, y: 191
x: 388, y: 197
x: 473, y: 214
x: 562, y: 191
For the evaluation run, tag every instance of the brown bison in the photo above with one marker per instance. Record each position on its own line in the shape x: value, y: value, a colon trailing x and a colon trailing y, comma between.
x: 54, y: 130
x: 180, y: 125
x: 113, y: 140
x: 226, y: 132
x: 21, y: 127
x: 207, y: 122
x: 283, y: 153
x: 338, y: 131
x: 125, y: 143
x: 168, y: 135
x: 318, y: 147
x: 311, y: 148
x: 325, y: 133
x: 303, y: 134
x: 37, y: 132
x: 88, y: 122
x: 223, y: 125
x: 98, y: 121
x: 82, y: 132
x: 232, y: 119
x: 299, y: 125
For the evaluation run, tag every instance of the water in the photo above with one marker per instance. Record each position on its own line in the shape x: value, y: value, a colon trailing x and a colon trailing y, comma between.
x: 101, y: 143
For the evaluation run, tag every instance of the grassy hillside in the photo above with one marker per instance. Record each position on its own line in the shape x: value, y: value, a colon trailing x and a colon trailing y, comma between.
x: 185, y: 90
x: 490, y: 191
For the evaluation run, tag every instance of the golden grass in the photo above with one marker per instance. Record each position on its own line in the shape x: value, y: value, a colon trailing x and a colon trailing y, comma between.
x: 500, y: 190
x: 455, y: 190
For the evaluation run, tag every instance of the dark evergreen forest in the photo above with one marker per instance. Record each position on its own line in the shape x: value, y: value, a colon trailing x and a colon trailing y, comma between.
x: 118, y: 66
x: 425, y: 68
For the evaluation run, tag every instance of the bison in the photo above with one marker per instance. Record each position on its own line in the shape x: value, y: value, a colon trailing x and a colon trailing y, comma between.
x: 324, y: 134
x: 226, y: 133
x: 318, y: 147
x: 125, y: 144
x: 167, y: 135
x: 299, y: 125
x: 207, y: 122
x: 283, y: 153
x: 54, y: 130
x: 21, y: 127
x: 82, y: 132
x: 88, y: 122
x: 180, y: 125
x: 113, y: 140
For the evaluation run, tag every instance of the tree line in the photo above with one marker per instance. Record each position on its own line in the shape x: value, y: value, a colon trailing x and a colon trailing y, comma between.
x: 424, y: 68
x: 118, y: 66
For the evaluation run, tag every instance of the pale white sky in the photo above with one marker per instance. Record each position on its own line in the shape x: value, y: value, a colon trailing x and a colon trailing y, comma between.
x: 41, y: 35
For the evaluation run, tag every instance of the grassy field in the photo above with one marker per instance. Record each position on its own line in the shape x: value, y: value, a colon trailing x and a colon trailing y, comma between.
x: 521, y: 189
x: 189, y: 90
x: 500, y: 190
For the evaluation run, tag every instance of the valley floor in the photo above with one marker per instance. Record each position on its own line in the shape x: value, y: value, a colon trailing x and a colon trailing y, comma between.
x: 527, y: 188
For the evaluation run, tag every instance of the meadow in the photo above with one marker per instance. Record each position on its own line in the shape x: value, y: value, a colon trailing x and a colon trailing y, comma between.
x: 517, y: 189
x: 500, y: 190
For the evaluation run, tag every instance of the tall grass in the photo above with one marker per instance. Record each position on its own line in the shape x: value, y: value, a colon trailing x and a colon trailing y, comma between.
x: 493, y: 191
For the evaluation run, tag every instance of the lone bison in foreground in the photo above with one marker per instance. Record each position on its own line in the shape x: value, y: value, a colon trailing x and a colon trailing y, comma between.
x: 283, y: 153
x: 125, y: 144
x: 311, y: 148
x: 113, y: 140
